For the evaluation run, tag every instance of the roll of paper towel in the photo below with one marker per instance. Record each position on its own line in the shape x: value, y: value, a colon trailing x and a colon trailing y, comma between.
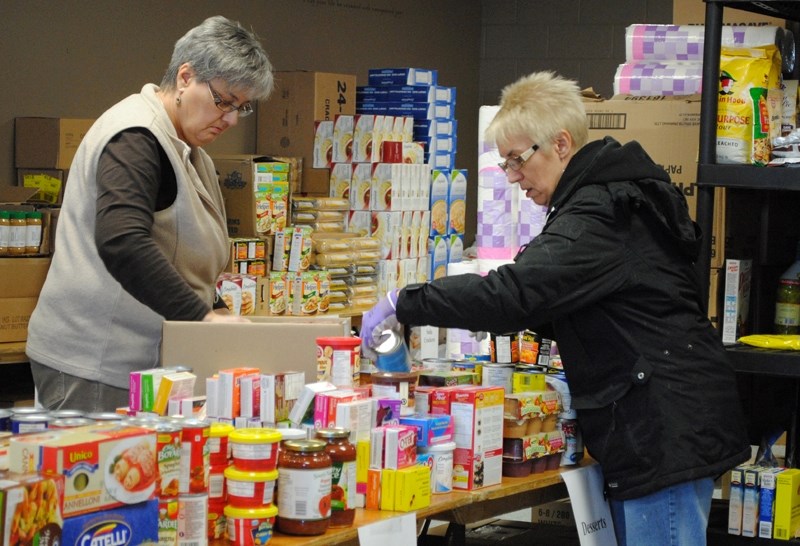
x: 654, y: 78
x: 462, y: 342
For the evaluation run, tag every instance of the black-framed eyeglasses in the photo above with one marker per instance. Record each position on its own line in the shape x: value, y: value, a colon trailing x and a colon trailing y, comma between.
x: 226, y: 106
x: 516, y: 163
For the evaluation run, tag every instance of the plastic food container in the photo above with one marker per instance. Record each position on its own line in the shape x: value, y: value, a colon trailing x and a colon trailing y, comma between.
x: 515, y: 468
x: 255, y: 449
x: 248, y: 489
x: 339, y: 360
x: 442, y: 469
x: 250, y: 526
x: 515, y: 428
x: 218, y: 447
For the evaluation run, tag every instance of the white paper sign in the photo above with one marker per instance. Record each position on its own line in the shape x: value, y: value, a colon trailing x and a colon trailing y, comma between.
x: 591, y: 511
x: 400, y: 531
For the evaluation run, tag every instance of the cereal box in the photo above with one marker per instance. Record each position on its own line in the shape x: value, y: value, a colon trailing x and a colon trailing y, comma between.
x: 477, y: 413
x: 103, y: 465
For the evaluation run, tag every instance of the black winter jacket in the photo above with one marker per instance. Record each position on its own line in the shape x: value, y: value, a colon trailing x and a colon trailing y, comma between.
x: 612, y: 277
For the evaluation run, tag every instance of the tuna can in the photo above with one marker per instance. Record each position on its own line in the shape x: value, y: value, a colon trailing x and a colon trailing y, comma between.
x: 195, y: 461
x: 66, y: 414
x: 392, y: 353
x: 504, y: 347
x: 167, y: 521
x: 5, y: 419
x: 495, y: 374
x: 70, y: 422
x: 437, y: 364
x: 192, y: 519
x: 28, y: 410
x: 20, y: 424
x: 105, y: 416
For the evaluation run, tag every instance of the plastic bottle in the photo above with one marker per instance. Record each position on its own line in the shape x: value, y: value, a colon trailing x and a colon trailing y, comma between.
x: 19, y: 229
x: 33, y: 232
x: 787, y: 301
x: 5, y: 232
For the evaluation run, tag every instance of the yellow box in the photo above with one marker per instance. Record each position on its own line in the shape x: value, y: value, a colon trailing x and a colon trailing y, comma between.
x: 787, y: 504
x: 388, y: 481
x: 412, y: 489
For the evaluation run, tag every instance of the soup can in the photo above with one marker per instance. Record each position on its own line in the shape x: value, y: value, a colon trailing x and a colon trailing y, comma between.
x: 195, y: 463
x: 192, y: 519
x: 168, y: 521
x: 168, y: 451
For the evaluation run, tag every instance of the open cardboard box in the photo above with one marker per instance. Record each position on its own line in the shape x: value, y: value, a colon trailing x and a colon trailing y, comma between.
x: 274, y: 344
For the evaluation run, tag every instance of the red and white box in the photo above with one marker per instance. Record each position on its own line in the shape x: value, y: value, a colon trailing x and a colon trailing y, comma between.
x: 477, y: 413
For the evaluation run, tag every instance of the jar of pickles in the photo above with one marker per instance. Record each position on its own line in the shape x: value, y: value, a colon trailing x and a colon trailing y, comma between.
x: 343, y: 484
x: 304, y: 487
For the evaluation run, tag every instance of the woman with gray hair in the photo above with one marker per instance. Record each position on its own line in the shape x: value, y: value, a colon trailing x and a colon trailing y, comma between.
x: 142, y: 233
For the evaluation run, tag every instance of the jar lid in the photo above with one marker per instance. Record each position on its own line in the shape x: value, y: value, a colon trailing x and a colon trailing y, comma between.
x: 220, y: 430
x: 333, y: 432
x: 18, y: 214
x: 255, y: 436
x: 340, y: 341
x: 5, y: 214
x: 34, y: 214
x: 304, y: 445
x: 262, y: 512
x: 233, y: 473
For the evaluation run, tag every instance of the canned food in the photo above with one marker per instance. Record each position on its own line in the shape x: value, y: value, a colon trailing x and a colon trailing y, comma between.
x: 105, y: 416
x: 192, y: 519
x: 437, y: 364
x: 167, y: 521
x: 5, y: 419
x: 217, y: 488
x: 217, y: 524
x: 195, y: 461
x: 70, y: 422
x: 498, y: 375
x: 20, y: 424
x: 392, y: 353
x: 28, y: 410
x: 66, y: 414
x: 168, y: 455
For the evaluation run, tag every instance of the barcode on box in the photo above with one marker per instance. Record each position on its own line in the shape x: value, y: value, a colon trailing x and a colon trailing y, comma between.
x: 607, y: 121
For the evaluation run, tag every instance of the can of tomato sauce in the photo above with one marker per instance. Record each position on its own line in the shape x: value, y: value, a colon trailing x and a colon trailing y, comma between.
x: 168, y: 455
x: 167, y: 521
x: 192, y: 519
x: 195, y: 457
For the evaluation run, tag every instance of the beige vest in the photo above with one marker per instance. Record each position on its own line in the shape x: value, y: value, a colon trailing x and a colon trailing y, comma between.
x: 85, y: 323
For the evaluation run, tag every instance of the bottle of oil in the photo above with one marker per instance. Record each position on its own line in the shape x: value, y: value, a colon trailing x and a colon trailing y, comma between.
x: 787, y: 301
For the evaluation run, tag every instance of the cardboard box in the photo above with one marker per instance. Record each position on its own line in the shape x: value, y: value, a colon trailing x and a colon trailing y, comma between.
x: 736, y: 299
x: 48, y: 143
x: 21, y: 280
x: 668, y: 128
x: 286, y: 120
x: 49, y: 183
x: 240, y: 176
x: 787, y: 504
x: 273, y: 344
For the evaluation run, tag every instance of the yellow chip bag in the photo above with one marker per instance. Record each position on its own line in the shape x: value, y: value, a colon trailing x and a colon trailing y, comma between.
x: 744, y: 111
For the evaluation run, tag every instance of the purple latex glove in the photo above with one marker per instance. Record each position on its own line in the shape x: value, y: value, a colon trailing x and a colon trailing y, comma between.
x: 381, y: 317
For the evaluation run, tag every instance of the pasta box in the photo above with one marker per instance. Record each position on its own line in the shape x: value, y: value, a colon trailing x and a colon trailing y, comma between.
x: 104, y: 465
x: 30, y: 509
x: 127, y: 524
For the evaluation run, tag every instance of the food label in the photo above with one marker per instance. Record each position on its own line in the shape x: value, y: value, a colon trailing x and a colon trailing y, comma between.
x: 304, y: 494
x: 343, y: 491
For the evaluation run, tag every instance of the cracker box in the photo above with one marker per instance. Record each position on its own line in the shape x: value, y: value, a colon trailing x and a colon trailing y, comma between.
x: 477, y: 413
x: 104, y: 466
x: 30, y: 509
x: 131, y: 524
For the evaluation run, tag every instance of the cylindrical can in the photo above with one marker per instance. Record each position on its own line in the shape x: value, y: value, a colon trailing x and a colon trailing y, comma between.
x: 392, y: 353
x: 168, y: 455
x: 255, y: 448
x: 528, y: 377
x: 496, y: 374
x: 5, y: 419
x: 437, y: 364
x: 217, y: 489
x: 573, y: 442
x: 193, y: 520
x: 70, y: 422
x: 66, y: 414
x: 218, y: 446
x: 248, y: 489
x: 398, y: 385
x: 28, y: 410
x: 250, y: 526
x: 195, y: 462
x: 167, y: 521
x: 473, y: 366
x: 305, y: 475
x: 504, y: 347
x: 217, y: 524
x: 20, y: 424
x: 441, y: 466
x: 105, y: 416
x: 339, y: 360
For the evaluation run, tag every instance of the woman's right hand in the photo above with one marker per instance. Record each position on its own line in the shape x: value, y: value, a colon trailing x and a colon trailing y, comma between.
x: 215, y: 316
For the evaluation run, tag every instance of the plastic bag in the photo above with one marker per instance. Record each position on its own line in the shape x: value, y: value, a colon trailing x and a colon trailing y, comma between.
x: 774, y: 341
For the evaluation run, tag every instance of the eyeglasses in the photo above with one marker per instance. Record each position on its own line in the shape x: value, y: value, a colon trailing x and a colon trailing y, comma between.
x: 244, y: 110
x: 516, y: 163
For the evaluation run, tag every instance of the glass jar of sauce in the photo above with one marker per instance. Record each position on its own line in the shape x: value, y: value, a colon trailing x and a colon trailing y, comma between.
x: 305, y: 472
x: 343, y: 485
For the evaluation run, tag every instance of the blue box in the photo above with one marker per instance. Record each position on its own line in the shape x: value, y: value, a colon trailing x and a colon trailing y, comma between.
x: 402, y: 76
x: 129, y: 524
x: 431, y: 429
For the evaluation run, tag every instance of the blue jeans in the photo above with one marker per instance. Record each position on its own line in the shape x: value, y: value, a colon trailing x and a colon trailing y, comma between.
x: 673, y: 516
